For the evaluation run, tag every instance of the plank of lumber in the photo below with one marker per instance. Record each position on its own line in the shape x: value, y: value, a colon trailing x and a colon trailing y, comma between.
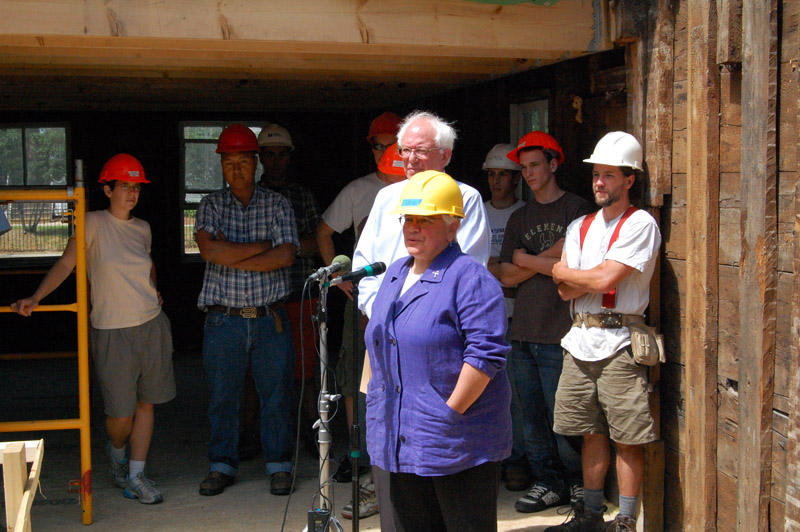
x: 702, y: 268
x: 729, y: 42
x: 758, y: 271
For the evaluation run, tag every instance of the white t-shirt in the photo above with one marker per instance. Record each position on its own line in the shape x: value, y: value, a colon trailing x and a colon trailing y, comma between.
x: 353, y: 203
x: 382, y: 237
x: 636, y: 246
x: 498, y: 219
x: 118, y: 265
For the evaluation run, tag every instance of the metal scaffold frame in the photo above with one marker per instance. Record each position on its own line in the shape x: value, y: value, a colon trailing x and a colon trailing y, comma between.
x: 77, y: 196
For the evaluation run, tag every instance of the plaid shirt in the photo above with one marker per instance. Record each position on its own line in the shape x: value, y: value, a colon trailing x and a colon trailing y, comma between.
x: 307, y: 216
x: 268, y: 216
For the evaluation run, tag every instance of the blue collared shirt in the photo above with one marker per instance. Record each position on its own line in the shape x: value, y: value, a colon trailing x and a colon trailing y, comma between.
x: 417, y: 344
x: 268, y: 216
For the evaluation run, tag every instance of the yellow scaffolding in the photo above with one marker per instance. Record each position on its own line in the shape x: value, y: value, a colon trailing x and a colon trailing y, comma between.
x: 77, y: 196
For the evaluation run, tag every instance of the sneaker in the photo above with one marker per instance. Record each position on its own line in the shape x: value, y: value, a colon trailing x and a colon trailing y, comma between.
x: 119, y: 470
x: 621, y: 523
x: 575, y: 494
x: 367, y: 503
x: 583, y: 520
x: 215, y: 483
x: 539, y: 498
x: 280, y: 483
x: 142, y: 488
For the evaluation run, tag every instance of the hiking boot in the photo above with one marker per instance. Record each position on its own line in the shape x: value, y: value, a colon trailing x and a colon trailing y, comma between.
x: 142, y: 488
x: 119, y: 470
x: 367, y: 503
x: 575, y: 493
x: 621, y: 523
x: 517, y: 478
x: 539, y: 498
x: 215, y: 483
x: 583, y: 520
x: 280, y: 483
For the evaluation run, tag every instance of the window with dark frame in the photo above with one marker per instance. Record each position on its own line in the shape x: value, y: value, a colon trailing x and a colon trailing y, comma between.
x: 35, y: 155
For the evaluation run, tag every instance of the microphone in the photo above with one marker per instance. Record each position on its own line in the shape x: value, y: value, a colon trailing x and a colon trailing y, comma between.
x: 376, y: 268
x: 339, y: 263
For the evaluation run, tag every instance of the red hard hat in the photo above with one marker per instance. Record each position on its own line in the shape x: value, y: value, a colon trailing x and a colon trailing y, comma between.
x: 122, y: 167
x: 537, y: 139
x: 391, y: 162
x: 386, y: 123
x: 237, y: 137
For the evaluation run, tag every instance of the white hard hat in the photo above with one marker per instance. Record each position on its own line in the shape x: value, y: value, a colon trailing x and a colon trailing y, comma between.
x: 275, y: 135
x: 496, y: 158
x: 618, y: 149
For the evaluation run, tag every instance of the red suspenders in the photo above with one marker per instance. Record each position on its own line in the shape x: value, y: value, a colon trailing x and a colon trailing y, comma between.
x: 610, y: 298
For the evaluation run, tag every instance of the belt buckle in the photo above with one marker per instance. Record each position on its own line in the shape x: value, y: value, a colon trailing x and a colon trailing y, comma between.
x: 249, y: 312
x: 610, y: 321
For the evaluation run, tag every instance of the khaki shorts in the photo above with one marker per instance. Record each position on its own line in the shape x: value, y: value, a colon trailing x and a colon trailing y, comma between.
x: 134, y: 364
x: 607, y: 396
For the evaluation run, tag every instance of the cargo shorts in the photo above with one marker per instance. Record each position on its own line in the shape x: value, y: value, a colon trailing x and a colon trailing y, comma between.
x: 608, y: 396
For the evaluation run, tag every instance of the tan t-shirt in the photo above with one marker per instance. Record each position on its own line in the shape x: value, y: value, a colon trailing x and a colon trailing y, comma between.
x: 118, y: 263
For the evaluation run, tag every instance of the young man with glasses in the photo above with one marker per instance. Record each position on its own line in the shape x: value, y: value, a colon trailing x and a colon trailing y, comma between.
x: 350, y: 209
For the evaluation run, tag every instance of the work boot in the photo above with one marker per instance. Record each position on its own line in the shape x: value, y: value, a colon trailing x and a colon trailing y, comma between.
x: 583, y: 520
x: 621, y: 524
x: 280, y: 483
x: 215, y: 483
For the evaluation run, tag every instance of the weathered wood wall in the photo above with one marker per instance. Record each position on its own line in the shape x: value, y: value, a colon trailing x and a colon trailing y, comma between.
x: 730, y: 307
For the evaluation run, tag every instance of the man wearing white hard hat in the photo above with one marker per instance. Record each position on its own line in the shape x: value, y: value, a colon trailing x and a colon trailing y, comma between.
x: 605, y: 271
x: 532, y: 245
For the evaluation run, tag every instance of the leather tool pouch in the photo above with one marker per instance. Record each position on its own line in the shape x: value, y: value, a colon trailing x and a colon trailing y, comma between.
x: 646, y: 344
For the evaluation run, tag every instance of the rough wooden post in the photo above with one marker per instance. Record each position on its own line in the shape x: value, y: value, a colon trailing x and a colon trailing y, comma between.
x: 758, y: 271
x: 702, y: 267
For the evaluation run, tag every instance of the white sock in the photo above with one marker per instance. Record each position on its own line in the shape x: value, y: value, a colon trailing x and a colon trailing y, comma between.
x: 135, y: 467
x: 120, y: 455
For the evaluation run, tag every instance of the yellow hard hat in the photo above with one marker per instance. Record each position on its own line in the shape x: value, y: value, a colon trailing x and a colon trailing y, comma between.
x: 429, y: 193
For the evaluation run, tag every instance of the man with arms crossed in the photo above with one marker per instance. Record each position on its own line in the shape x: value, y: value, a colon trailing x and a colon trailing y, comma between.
x: 602, y: 394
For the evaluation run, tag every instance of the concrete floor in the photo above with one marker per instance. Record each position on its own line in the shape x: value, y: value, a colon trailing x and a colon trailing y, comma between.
x: 177, y: 463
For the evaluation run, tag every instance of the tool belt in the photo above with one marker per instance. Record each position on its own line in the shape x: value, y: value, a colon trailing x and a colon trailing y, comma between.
x: 606, y: 320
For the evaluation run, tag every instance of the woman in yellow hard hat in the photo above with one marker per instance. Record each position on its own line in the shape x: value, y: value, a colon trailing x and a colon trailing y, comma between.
x: 438, y: 414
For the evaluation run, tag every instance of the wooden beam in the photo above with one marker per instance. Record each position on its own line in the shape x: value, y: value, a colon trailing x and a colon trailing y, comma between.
x: 566, y: 25
x: 792, y: 498
x: 729, y: 43
x: 659, y: 108
x: 758, y: 271
x: 702, y: 267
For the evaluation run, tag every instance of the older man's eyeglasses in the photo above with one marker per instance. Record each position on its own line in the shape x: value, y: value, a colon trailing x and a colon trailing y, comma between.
x: 422, y: 153
x: 128, y: 187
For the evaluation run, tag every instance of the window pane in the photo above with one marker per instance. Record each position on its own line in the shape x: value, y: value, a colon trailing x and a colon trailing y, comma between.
x: 202, y: 168
x: 47, y: 156
x: 38, y: 229
x: 189, y: 245
x: 202, y: 132
x: 11, y: 157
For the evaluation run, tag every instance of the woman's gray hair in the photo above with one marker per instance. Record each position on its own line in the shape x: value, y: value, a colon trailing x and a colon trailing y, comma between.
x: 449, y: 220
x: 445, y: 133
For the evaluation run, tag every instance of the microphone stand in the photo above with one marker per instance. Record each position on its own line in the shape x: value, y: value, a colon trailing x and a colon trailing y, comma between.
x: 355, y: 432
x: 323, y: 518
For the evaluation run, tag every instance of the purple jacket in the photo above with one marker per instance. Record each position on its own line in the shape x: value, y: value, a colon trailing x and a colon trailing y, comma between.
x: 417, y: 345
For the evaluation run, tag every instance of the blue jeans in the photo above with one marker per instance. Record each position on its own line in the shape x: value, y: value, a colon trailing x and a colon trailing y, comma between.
x: 534, y: 370
x: 229, y: 343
